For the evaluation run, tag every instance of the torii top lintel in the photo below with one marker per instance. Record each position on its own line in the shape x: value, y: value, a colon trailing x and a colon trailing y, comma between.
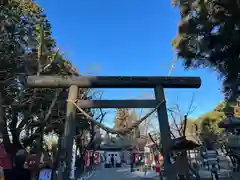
x: 113, y: 81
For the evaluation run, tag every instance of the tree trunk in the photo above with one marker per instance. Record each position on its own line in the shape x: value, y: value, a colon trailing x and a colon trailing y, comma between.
x: 3, y: 128
x: 80, y: 160
x: 80, y: 148
x: 57, y: 162
x: 16, y: 145
x: 82, y: 155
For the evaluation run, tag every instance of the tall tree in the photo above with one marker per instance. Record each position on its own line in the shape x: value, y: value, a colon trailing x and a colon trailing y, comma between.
x: 131, y: 119
x: 121, y: 120
x: 27, y: 48
x: 18, y: 27
x: 209, y: 36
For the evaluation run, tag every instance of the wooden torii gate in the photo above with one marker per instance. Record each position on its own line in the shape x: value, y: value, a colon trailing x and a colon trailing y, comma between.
x: 76, y: 82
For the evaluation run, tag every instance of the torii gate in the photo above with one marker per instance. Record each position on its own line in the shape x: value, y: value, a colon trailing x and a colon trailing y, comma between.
x: 76, y: 82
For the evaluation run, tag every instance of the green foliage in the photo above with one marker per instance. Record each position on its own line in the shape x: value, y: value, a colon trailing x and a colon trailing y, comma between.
x: 208, y: 36
x: 208, y: 122
x: 192, y: 126
x: 206, y: 125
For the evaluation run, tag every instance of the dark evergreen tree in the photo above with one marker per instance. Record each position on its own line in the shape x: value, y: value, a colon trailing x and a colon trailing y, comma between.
x: 209, y: 36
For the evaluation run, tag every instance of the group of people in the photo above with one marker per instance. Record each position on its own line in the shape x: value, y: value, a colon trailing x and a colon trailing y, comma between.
x: 132, y: 161
x: 112, y: 160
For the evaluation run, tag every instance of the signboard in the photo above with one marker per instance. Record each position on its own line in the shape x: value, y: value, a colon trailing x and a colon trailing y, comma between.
x: 45, y: 174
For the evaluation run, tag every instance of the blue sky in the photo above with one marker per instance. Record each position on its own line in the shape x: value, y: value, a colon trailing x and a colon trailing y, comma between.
x: 127, y: 37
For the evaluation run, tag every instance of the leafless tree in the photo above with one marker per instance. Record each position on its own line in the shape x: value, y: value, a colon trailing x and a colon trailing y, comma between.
x: 177, y: 117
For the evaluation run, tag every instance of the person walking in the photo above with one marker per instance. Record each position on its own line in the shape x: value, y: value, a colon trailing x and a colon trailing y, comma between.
x: 112, y: 161
x: 132, y: 161
x: 19, y: 172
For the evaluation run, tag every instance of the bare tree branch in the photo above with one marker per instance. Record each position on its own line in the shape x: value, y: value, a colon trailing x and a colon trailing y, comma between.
x: 176, y: 112
x: 148, y: 126
x: 102, y: 115
x: 150, y: 136
x: 175, y: 123
x: 191, y: 109
x: 174, y: 129
x: 172, y: 134
x: 184, y: 125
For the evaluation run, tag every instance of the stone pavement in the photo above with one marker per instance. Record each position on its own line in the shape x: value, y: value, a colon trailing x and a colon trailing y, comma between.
x: 225, y: 172
x: 115, y: 174
x: 124, y: 173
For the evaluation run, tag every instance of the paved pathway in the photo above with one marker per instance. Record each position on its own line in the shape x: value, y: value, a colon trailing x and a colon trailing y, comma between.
x: 225, y: 172
x: 125, y: 174
x: 114, y: 174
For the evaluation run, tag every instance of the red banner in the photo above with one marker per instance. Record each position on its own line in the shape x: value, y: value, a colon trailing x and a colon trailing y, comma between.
x: 136, y: 158
x: 87, y: 160
x: 96, y: 158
